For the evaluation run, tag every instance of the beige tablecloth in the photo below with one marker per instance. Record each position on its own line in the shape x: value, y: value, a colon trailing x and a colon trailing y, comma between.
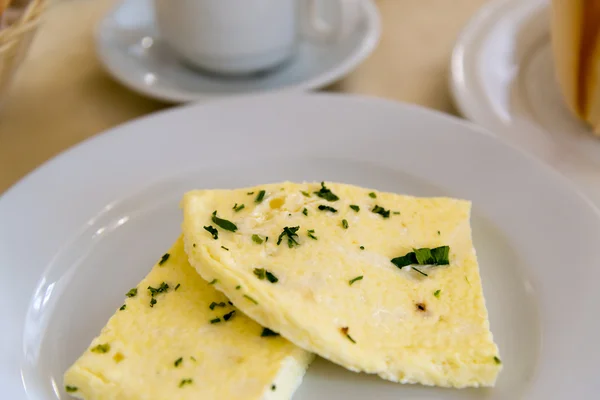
x: 62, y: 96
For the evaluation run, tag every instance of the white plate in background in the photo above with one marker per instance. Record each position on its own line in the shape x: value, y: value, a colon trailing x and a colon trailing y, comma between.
x: 83, y: 228
x: 502, y: 78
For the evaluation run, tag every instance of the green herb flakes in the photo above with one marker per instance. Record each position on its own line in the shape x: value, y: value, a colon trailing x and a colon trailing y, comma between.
x: 260, y: 197
x: 362, y: 247
x: 358, y: 278
x: 71, y: 389
x: 178, y: 362
x: 311, y: 234
x: 344, y: 331
x: 291, y: 234
x: 266, y: 332
x: 260, y: 273
x: 239, y: 208
x: 273, y: 387
x: 123, y: 307
x: 229, y: 315
x: 101, y: 348
x: 355, y: 207
x: 164, y: 258
x: 257, y: 239
x: 327, y: 208
x: 215, y: 320
x: 213, y: 281
x: 439, y: 233
x: 326, y: 194
x: 250, y: 299
x: 305, y: 211
x: 345, y: 224
x: 305, y: 194
x: 132, y: 292
x: 396, y: 213
x: 497, y: 360
x: 152, y: 302
x: 224, y: 248
x: 187, y: 381
x: 213, y: 231
x: 238, y: 287
x: 177, y: 286
x: 381, y: 211
x: 372, y: 195
x: 213, y: 305
x: 223, y: 223
x: 162, y: 288
x: 250, y: 193
x: 437, y: 293
x: 423, y: 256
x: 270, y: 277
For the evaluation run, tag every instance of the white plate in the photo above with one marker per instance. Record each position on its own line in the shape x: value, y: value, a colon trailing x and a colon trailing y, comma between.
x: 83, y: 228
x: 130, y: 49
x: 503, y: 79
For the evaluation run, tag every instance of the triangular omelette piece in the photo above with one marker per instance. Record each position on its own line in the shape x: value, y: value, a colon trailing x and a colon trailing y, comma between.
x: 176, y: 337
x: 314, y: 263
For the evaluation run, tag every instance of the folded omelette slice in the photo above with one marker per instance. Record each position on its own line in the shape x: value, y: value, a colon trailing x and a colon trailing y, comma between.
x: 375, y: 282
x: 176, y: 337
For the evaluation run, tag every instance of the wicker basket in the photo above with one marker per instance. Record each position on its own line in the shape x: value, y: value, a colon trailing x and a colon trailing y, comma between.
x: 16, y: 38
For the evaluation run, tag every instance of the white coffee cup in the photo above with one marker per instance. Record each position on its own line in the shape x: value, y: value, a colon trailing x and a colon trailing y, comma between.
x: 249, y: 36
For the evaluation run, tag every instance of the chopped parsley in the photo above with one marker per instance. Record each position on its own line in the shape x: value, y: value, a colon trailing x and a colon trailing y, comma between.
x: 152, y: 302
x: 305, y: 211
x: 164, y: 258
x: 311, y: 234
x: 178, y: 362
x: 251, y: 299
x: 372, y: 195
x: 213, y: 281
x: 71, y: 389
x: 423, y: 256
x: 266, y: 332
x: 229, y: 315
x: 291, y: 234
x: 260, y: 196
x: 213, y: 305
x: 262, y: 273
x: 163, y: 288
x: 239, y: 208
x: 101, y: 348
x: 381, y: 211
x: 355, y: 207
x: 362, y: 247
x: 306, y: 194
x: 326, y: 194
x: 213, y: 231
x: 215, y: 320
x: 327, y: 208
x: 223, y: 223
x: 497, y: 360
x: 187, y: 381
x: 132, y: 292
x: 437, y: 293
x: 358, y: 278
x: 123, y: 307
x: 344, y: 331
x: 224, y: 248
x: 345, y: 224
x: 257, y: 239
x: 177, y: 286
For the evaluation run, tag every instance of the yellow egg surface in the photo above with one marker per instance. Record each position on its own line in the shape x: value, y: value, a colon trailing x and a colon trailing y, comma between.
x: 313, y: 262
x: 184, y: 341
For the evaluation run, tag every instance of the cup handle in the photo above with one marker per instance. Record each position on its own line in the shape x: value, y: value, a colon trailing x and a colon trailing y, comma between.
x: 347, y: 15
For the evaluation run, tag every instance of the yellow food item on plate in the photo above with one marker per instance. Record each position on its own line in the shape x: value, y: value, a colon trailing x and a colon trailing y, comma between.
x: 314, y: 263
x: 176, y: 337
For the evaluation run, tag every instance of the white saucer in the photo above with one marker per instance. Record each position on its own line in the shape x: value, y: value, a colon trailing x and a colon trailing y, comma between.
x: 503, y: 79
x: 130, y: 49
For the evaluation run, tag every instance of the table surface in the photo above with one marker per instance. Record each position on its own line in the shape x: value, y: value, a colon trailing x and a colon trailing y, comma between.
x: 62, y: 96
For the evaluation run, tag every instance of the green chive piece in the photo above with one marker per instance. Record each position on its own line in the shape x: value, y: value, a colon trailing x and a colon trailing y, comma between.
x: 213, y: 231
x: 260, y: 273
x: 164, y: 258
x: 177, y: 286
x: 291, y: 234
x: 132, y: 292
x: 215, y: 320
x: 358, y: 278
x: 257, y: 239
x: 326, y: 194
x: 71, y: 389
x: 327, y: 208
x: 372, y: 195
x: 266, y: 332
x: 273, y: 387
x: 345, y: 224
x: 184, y: 382
x: 229, y: 315
x: 250, y: 193
x: 497, y: 360
x: 419, y: 271
x: 213, y: 281
x: 362, y: 247
x: 239, y: 208
x: 311, y: 234
x: 223, y: 223
x: 305, y: 211
x: 124, y: 306
x: 251, y: 299
x: 306, y: 194
x: 224, y: 248
x: 381, y: 211
x: 260, y: 196
x: 178, y: 362
x: 355, y: 207
x: 396, y: 213
x: 101, y: 348
x: 152, y: 302
x: 437, y: 293
x: 270, y: 277
x: 238, y: 287
x: 213, y: 305
x: 350, y: 339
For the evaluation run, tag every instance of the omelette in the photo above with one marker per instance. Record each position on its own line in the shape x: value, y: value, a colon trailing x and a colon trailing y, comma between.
x: 176, y: 337
x: 375, y: 282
